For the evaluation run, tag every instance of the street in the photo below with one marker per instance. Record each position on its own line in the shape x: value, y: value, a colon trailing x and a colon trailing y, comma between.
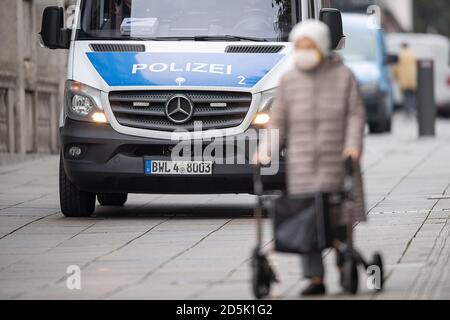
x: 198, y: 247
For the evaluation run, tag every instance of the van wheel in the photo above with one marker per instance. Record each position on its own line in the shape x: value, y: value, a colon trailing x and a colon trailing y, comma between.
x: 112, y: 199
x: 382, y: 126
x: 383, y: 123
x: 73, y: 202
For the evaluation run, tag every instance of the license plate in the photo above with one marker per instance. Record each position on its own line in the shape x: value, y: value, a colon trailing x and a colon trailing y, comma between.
x: 158, y: 167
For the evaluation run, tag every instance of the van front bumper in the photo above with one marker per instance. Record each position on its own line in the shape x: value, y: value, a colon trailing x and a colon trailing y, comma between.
x: 112, y: 162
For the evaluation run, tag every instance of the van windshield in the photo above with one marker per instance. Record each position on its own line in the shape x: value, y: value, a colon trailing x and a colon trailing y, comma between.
x: 201, y: 20
x: 360, y: 46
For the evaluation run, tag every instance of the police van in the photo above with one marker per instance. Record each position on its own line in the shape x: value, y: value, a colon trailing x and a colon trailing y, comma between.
x: 145, y: 76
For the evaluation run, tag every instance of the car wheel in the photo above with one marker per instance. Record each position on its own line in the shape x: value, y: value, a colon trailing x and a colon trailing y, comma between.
x: 73, y: 202
x: 383, y: 125
x: 112, y: 199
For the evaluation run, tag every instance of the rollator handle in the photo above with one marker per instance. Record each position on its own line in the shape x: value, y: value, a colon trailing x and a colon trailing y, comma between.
x: 349, y: 166
x: 348, y: 180
x: 258, y: 187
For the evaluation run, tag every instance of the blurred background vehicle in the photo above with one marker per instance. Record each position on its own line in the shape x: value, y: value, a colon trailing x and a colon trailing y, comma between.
x: 365, y: 53
x: 427, y: 46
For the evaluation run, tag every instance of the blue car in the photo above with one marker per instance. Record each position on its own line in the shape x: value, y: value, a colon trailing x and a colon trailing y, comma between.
x: 365, y: 53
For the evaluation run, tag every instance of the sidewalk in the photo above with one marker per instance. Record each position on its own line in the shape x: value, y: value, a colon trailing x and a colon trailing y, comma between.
x: 7, y: 159
x: 157, y: 248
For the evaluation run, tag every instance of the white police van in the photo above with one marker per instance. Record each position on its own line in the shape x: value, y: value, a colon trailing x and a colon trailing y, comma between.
x: 142, y: 72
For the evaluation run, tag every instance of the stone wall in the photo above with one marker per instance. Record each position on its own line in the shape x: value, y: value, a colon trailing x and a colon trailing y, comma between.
x: 31, y: 80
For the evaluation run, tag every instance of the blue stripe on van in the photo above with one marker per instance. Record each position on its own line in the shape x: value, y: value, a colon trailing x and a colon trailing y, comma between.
x: 184, y: 69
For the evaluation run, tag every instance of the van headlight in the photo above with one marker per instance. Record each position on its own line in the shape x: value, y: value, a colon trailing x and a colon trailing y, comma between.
x: 261, y: 119
x: 81, y: 105
x: 83, y: 102
x: 267, y: 98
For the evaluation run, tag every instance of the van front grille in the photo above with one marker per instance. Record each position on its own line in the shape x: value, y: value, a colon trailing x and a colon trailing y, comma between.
x: 117, y: 47
x: 211, y: 109
x: 254, y: 48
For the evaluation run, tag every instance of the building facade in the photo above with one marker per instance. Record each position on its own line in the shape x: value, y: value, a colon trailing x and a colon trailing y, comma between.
x: 31, y: 80
x: 403, y: 11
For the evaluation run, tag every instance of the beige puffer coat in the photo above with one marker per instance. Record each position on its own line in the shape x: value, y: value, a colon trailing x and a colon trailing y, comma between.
x: 320, y: 113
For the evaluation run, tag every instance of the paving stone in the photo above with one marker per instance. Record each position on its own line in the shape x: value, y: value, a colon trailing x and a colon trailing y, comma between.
x: 198, y: 247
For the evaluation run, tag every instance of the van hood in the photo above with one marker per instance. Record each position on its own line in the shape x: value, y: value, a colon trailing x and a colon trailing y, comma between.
x: 364, y: 71
x: 168, y: 65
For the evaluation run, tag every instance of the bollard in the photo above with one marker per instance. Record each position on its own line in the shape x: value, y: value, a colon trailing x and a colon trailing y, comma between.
x: 426, y: 106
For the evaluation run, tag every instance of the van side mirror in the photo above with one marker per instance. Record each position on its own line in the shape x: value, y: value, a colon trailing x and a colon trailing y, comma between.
x: 333, y: 18
x: 391, y: 59
x: 53, y: 34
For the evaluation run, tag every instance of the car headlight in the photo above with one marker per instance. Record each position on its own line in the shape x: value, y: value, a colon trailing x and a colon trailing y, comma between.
x: 83, y: 102
x: 369, y: 87
x: 267, y: 98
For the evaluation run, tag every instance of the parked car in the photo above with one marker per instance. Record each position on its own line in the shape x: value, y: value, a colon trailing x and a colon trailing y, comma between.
x: 427, y: 46
x: 365, y: 53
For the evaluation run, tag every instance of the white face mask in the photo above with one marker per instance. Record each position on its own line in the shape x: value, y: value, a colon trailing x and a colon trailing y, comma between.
x: 307, y: 59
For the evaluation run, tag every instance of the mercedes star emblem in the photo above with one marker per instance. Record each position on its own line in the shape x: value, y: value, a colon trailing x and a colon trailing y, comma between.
x: 179, y: 109
x: 180, y: 81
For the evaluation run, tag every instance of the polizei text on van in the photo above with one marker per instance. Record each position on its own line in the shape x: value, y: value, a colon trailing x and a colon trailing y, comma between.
x: 188, y: 67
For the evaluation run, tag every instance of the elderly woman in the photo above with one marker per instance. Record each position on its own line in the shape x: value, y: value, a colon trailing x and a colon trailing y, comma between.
x: 320, y: 115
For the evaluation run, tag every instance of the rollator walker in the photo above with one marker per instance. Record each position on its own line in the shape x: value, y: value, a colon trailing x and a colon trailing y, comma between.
x: 264, y: 276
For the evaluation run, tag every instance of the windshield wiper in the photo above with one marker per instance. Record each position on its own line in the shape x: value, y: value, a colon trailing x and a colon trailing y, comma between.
x: 193, y: 38
x: 202, y: 38
x: 228, y: 37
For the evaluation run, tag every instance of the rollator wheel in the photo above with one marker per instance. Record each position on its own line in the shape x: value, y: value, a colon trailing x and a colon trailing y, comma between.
x: 378, y: 262
x: 262, y: 276
x: 350, y: 273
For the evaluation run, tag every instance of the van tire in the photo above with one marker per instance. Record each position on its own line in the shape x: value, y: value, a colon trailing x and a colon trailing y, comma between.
x: 74, y: 202
x: 381, y: 126
x: 384, y: 123
x: 112, y: 199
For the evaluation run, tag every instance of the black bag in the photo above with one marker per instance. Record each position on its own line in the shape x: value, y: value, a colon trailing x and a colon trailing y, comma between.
x: 302, y: 224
